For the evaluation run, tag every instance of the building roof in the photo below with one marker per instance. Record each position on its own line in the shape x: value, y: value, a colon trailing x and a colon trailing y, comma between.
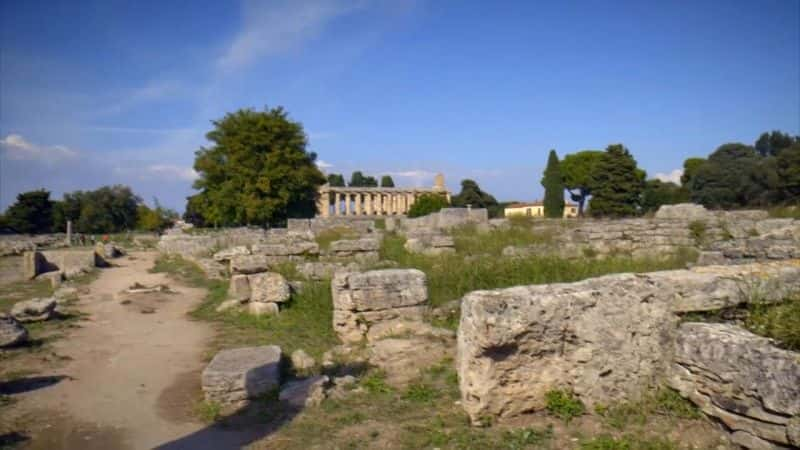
x: 535, y: 203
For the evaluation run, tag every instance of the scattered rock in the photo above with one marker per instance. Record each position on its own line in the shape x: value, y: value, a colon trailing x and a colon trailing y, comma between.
x: 11, y: 331
x: 233, y: 376
x: 239, y: 288
x: 304, y: 393
x: 269, y: 287
x: 55, y: 278
x: 138, y: 288
x: 302, y: 361
x: 65, y: 294
x: 36, y: 310
x: 229, y: 253
x: 228, y: 304
x: 247, y: 264
x: 263, y: 309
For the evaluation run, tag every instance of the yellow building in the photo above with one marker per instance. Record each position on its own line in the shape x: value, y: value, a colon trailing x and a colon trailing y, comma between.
x: 536, y: 209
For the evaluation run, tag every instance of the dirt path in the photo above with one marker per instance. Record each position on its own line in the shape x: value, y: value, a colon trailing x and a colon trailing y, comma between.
x: 133, y: 376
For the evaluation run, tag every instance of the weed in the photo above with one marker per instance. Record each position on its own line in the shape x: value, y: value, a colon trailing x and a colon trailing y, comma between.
x: 375, y: 383
x: 564, y: 404
x: 525, y: 437
x: 663, y: 401
x: 777, y: 321
x: 327, y: 236
x: 208, y: 411
x: 627, y: 442
x: 698, y: 230
x: 420, y: 393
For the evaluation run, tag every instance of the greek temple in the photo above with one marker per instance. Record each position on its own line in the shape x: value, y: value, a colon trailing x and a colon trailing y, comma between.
x: 372, y: 201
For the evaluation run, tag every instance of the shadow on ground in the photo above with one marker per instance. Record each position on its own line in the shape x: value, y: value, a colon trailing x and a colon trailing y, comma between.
x: 27, y: 384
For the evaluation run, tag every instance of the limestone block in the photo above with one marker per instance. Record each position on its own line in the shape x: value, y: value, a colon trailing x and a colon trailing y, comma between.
x: 228, y: 253
x: 236, y: 375
x: 247, y: 264
x: 319, y: 270
x: 239, y: 288
x: 302, y: 361
x: 304, y: 393
x: 361, y: 300
x: 683, y: 211
x: 32, y: 264
x: 263, y: 309
x: 740, y: 378
x: 402, y: 359
x: 36, y: 310
x: 355, y: 246
x: 11, y: 331
x: 269, y: 287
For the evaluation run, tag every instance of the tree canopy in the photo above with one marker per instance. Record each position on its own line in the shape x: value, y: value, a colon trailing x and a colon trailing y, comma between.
x: 387, y: 181
x: 729, y: 178
x: 257, y: 170
x: 31, y: 213
x: 769, y: 144
x: 579, y: 171
x: 426, y: 204
x: 358, y: 179
x: 617, y: 184
x: 336, y: 180
x: 553, y: 182
x: 657, y: 193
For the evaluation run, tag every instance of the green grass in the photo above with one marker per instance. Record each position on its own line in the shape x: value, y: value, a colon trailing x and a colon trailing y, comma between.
x: 470, y: 241
x: 208, y: 411
x: 449, y: 277
x: 303, y: 323
x: 627, y: 442
x: 698, y: 229
x: 777, y: 321
x: 564, y: 405
x: 663, y: 402
x: 785, y: 212
x: 326, y: 237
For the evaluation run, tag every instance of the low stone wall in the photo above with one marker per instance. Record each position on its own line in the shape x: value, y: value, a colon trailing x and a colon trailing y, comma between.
x: 319, y: 224
x: 67, y: 262
x: 364, y: 300
x: 445, y: 219
x: 741, y: 379
x: 17, y: 244
x: 608, y: 339
x: 362, y: 250
x: 202, y: 244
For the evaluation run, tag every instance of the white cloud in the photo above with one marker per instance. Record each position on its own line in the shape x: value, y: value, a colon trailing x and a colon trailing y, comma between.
x: 416, y: 177
x: 277, y: 26
x: 323, y: 165
x: 674, y: 176
x: 17, y: 148
x: 169, y: 170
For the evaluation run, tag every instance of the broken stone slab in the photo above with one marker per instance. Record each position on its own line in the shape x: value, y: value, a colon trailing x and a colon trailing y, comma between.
x: 237, y: 375
x: 239, y: 288
x: 355, y: 245
x: 291, y: 248
x: 228, y: 304
x: 65, y: 295
x: 402, y: 359
x: 36, y: 310
x: 11, y: 331
x: 138, y: 288
x: 318, y: 270
x: 683, y: 211
x: 228, y: 253
x: 263, y: 309
x: 304, y: 393
x: 361, y: 300
x: 249, y: 264
x: 739, y: 378
x: 269, y: 287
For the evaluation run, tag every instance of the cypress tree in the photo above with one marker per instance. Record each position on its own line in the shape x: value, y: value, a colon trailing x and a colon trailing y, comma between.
x: 553, y: 183
x: 619, y: 184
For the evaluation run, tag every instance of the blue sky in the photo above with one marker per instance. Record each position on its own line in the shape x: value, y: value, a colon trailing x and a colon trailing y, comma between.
x: 100, y: 92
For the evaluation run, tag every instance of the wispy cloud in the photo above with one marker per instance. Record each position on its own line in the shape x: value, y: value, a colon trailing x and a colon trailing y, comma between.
x: 18, y: 148
x: 277, y: 26
x: 674, y: 176
x: 169, y: 170
x: 323, y: 165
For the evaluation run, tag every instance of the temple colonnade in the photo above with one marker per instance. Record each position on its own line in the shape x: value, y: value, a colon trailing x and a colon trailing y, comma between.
x: 351, y: 201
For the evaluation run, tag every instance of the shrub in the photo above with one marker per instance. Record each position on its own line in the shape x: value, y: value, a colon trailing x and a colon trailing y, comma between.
x: 698, y: 230
x: 564, y: 404
x: 427, y: 204
x: 777, y: 321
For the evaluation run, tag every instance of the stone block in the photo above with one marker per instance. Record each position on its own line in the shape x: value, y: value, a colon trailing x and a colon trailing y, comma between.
x: 269, y: 287
x: 263, y: 309
x: 11, y: 331
x: 36, y: 310
x: 248, y: 264
x: 304, y: 393
x: 228, y: 253
x: 364, y: 299
x: 237, y: 375
x: 239, y: 288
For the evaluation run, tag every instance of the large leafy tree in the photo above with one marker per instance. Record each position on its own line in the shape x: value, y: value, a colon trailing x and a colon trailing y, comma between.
x: 426, y: 204
x: 358, y: 179
x: 579, y: 171
x: 657, y: 193
x: 618, y: 184
x: 732, y: 176
x: 788, y: 171
x: 553, y: 183
x: 336, y: 180
x: 257, y: 170
x: 472, y: 194
x: 690, y: 166
x: 31, y: 213
x: 770, y: 144
x: 387, y: 181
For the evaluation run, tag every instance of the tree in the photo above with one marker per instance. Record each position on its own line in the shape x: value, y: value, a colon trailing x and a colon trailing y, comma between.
x: 788, y: 165
x: 729, y: 178
x: 193, y: 214
x: 553, y: 183
x: 257, y: 170
x: 471, y: 194
x: 336, y: 180
x: 370, y: 182
x: 579, y: 171
x: 657, y: 193
x: 618, y: 184
x: 356, y: 179
x: 108, y: 209
x: 31, y: 213
x: 427, y: 204
x: 690, y: 166
x: 387, y: 181
x: 155, y: 219
x: 769, y: 144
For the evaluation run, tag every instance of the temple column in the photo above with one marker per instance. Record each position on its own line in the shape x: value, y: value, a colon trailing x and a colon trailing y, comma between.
x: 337, y: 198
x: 324, y: 204
x: 347, y: 204
x: 368, y: 203
x: 384, y: 209
x: 358, y: 198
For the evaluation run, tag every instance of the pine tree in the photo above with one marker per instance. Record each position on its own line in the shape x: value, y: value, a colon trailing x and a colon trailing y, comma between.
x: 619, y: 184
x: 553, y: 183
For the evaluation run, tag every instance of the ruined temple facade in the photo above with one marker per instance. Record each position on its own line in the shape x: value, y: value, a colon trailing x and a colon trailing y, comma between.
x: 372, y: 201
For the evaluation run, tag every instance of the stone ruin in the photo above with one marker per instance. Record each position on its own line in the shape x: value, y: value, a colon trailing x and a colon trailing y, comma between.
x: 611, y: 338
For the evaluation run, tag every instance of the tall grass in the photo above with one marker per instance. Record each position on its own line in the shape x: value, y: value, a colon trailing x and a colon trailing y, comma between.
x: 777, y: 321
x: 452, y: 276
x: 470, y: 241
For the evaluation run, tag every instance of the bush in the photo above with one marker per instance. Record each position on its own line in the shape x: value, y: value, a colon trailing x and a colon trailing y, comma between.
x: 777, y: 321
x: 564, y: 405
x: 698, y: 229
x: 427, y: 204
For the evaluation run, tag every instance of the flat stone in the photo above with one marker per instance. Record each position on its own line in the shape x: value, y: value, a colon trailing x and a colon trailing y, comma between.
x: 35, y: 310
x: 239, y: 288
x: 263, y: 309
x: 302, y: 361
x: 11, y: 331
x: 229, y: 253
x: 249, y: 264
x: 236, y: 375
